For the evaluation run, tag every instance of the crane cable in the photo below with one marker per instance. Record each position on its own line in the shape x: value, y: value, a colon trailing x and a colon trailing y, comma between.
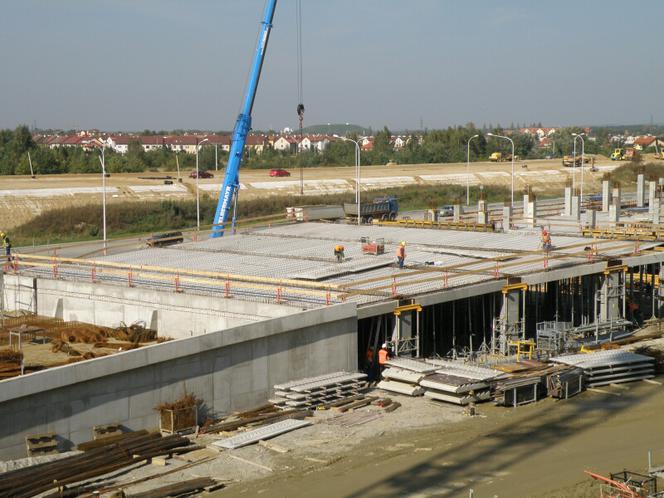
x: 300, y: 96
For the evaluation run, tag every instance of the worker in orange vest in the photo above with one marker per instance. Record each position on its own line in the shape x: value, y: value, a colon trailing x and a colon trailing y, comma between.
x: 401, y: 254
x: 383, y: 357
x: 546, y: 240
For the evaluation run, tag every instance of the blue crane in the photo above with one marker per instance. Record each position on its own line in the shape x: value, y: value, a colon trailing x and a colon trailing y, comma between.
x: 231, y: 184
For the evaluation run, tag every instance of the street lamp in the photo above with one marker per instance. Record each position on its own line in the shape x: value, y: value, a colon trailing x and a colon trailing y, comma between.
x: 357, y: 174
x: 198, y: 197
x: 468, y: 170
x: 102, y: 160
x: 512, y: 142
x: 583, y: 150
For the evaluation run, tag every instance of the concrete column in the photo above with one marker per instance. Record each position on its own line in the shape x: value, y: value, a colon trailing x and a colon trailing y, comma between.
x: 617, y: 197
x: 510, y: 319
x: 526, y: 205
x: 568, y: 201
x: 610, y: 294
x: 482, y: 214
x: 652, y: 193
x: 507, y: 218
x: 614, y: 213
x: 606, y: 195
x: 591, y: 218
x: 640, y: 190
x: 575, y: 208
x: 432, y: 215
x: 656, y: 210
x: 532, y: 211
x: 457, y: 212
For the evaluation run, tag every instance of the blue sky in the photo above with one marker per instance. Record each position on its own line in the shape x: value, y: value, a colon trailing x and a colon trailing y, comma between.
x: 164, y: 64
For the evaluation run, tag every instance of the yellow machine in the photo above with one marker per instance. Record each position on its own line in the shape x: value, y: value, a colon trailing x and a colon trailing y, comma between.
x: 617, y: 155
x: 496, y: 157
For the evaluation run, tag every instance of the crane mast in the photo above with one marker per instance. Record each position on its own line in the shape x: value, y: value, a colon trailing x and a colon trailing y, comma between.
x: 231, y: 183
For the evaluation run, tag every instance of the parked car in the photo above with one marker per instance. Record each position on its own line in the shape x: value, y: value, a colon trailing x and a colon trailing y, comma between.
x: 279, y: 172
x: 201, y: 174
x: 165, y: 239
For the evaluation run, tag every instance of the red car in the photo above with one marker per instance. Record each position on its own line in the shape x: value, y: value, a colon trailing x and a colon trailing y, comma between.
x: 279, y: 172
x: 201, y: 174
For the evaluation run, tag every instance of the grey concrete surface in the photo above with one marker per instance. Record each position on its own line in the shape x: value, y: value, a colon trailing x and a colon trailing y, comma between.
x: 172, y: 314
x: 229, y: 370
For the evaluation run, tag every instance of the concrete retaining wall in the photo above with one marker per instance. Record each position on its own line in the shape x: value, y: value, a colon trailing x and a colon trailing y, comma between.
x: 233, y: 369
x: 172, y: 314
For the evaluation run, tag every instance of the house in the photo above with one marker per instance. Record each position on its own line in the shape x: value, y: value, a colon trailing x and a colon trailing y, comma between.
x: 304, y: 144
x: 256, y: 143
x: 643, y: 142
x: 366, y: 143
x: 538, y: 132
x: 398, y: 142
x: 319, y: 142
x: 286, y: 143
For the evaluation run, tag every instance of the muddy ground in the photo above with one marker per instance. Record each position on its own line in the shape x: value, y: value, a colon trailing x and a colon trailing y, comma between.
x: 538, y: 450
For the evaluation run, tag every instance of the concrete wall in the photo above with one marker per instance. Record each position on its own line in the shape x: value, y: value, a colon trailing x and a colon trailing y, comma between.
x: 172, y: 314
x: 233, y: 369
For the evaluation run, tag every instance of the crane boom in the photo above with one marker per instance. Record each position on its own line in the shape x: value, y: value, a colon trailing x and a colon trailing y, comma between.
x: 231, y: 184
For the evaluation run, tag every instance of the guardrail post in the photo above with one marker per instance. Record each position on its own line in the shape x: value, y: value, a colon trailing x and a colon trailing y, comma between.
x: 15, y: 264
x: 129, y: 278
x: 394, y: 286
x: 93, y: 274
x: 227, y: 289
x: 327, y: 297
x: 546, y: 261
x: 496, y: 271
x: 278, y: 295
x: 177, y: 283
x: 55, y: 270
x: 445, y: 277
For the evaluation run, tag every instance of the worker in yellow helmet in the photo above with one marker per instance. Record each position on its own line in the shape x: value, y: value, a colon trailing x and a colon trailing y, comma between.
x: 401, y: 254
x: 339, y: 252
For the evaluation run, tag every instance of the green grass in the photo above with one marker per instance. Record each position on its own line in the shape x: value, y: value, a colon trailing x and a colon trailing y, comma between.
x: 125, y: 219
x: 626, y: 174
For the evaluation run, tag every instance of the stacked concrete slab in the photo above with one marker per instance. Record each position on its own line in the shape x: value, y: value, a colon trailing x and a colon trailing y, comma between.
x: 441, y: 380
x: 611, y: 367
x: 315, y: 391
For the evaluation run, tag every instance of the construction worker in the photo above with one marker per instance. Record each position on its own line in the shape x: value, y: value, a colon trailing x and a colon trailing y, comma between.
x: 401, y: 254
x: 383, y: 357
x: 339, y: 253
x: 6, y: 243
x: 546, y: 240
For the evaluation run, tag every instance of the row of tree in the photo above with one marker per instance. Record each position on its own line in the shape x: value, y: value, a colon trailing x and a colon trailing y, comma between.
x: 435, y: 146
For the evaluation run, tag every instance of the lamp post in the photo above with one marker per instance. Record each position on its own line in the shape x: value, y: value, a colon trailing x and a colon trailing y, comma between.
x: 102, y: 160
x: 357, y: 174
x: 583, y: 151
x: 468, y: 169
x: 512, y: 142
x: 198, y: 197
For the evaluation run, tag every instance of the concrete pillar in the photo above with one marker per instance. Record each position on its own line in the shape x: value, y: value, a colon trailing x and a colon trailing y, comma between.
x: 640, y: 190
x: 526, y: 205
x: 591, y: 218
x: 511, y: 320
x: 432, y: 215
x: 575, y: 208
x: 652, y: 192
x: 656, y: 210
x: 507, y: 218
x: 610, y: 295
x: 482, y: 214
x: 617, y: 197
x: 457, y: 212
x: 568, y: 201
x: 606, y: 195
x: 532, y: 211
x: 614, y: 213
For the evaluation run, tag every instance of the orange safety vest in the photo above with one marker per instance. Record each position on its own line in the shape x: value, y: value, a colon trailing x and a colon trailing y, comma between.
x: 382, y: 356
x: 401, y: 252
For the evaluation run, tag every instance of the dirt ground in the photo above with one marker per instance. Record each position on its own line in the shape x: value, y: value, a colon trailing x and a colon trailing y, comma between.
x: 538, y: 450
x: 18, y: 204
